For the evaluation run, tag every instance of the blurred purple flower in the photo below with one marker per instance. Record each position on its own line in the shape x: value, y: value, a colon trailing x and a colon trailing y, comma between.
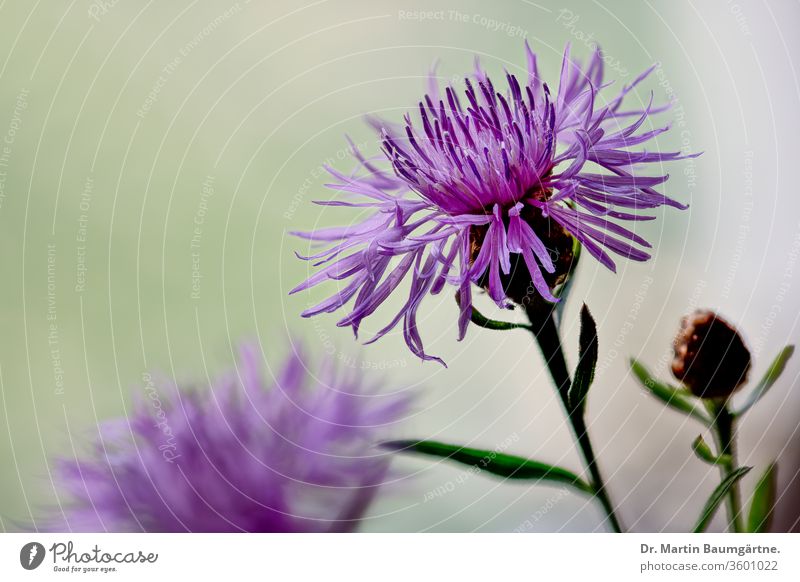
x: 293, y: 455
x: 476, y: 184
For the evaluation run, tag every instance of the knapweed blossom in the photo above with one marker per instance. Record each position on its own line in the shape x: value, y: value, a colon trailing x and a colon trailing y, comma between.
x: 488, y: 185
x: 293, y: 454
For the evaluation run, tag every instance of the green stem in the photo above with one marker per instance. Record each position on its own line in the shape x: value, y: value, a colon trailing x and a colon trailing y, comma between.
x: 725, y: 436
x: 545, y: 331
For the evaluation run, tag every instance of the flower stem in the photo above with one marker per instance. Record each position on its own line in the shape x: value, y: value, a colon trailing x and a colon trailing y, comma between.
x: 725, y: 435
x: 545, y: 331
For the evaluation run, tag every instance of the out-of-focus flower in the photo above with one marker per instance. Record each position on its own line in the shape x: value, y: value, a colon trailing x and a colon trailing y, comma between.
x: 486, y: 188
x: 711, y: 358
x: 291, y: 455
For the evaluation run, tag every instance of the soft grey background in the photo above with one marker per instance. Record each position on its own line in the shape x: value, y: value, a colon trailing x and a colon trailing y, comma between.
x: 261, y: 97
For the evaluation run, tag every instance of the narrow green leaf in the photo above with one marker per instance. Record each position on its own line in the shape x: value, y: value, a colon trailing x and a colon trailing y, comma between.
x: 481, y: 320
x: 584, y: 371
x: 718, y: 496
x: 773, y: 373
x: 704, y: 452
x: 677, y: 398
x: 763, y: 502
x: 507, y: 466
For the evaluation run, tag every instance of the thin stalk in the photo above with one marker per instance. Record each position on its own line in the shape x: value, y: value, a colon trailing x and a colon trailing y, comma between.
x: 545, y: 332
x: 725, y: 436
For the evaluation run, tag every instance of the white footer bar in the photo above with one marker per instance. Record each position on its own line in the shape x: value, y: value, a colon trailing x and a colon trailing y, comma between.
x: 390, y: 557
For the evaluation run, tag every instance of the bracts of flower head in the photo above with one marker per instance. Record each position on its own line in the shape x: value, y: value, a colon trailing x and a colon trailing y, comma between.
x: 711, y: 358
x: 481, y: 188
x: 291, y: 454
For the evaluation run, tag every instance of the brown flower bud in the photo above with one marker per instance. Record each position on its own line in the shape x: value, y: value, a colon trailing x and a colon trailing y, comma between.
x: 711, y: 358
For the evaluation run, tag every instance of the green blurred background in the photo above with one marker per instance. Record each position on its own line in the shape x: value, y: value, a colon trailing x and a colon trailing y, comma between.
x: 126, y: 122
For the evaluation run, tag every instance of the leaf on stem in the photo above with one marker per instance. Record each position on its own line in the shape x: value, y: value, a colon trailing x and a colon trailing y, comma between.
x: 677, y: 398
x: 584, y: 371
x: 704, y: 452
x: 773, y: 373
x: 718, y: 496
x: 508, y: 466
x: 481, y: 320
x: 763, y: 502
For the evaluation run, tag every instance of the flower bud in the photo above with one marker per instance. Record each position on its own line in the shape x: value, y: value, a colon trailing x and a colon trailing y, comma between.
x: 711, y: 358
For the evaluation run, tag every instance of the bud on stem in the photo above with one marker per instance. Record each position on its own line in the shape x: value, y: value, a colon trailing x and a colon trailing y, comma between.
x: 711, y: 358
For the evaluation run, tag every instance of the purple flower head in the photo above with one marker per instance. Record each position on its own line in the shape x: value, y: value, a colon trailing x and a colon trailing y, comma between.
x: 488, y: 183
x: 291, y: 455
